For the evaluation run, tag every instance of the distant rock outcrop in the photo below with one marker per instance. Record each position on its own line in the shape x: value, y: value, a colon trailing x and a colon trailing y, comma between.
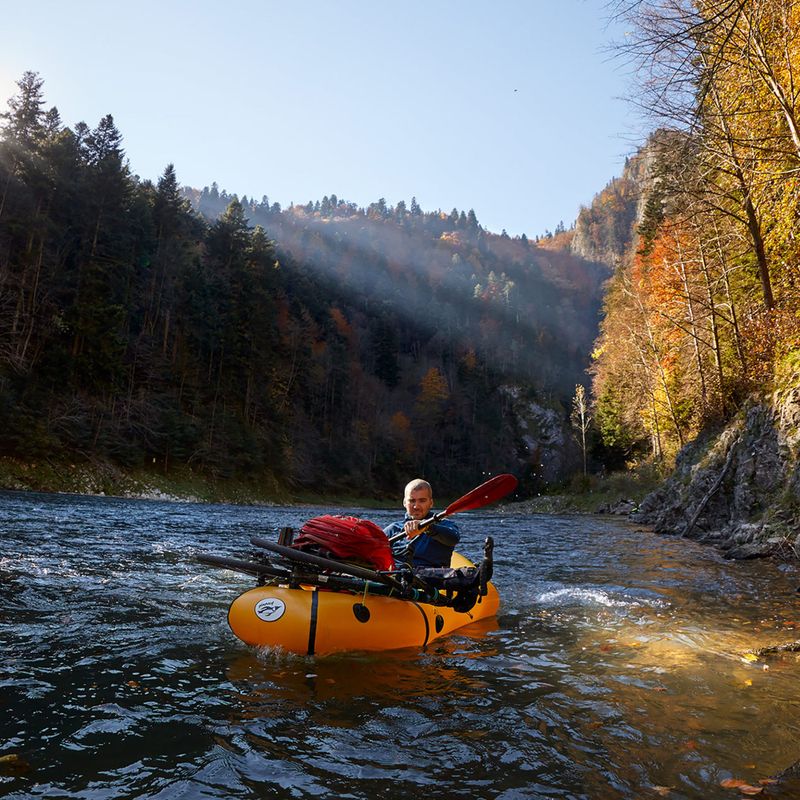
x: 547, y: 453
x: 739, y: 490
x: 605, y: 230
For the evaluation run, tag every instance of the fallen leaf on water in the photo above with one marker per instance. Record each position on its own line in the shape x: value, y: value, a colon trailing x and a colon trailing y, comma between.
x: 662, y: 790
x: 748, y: 682
x: 13, y: 764
x: 691, y: 744
x: 742, y: 786
x: 474, y: 734
x: 768, y: 781
x: 749, y: 657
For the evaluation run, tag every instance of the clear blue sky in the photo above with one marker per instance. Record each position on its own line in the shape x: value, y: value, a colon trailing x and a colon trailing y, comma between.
x: 510, y: 107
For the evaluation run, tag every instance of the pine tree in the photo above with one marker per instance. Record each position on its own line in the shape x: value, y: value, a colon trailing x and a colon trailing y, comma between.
x: 25, y: 119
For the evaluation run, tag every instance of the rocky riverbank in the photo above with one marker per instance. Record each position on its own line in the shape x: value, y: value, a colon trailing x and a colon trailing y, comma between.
x: 740, y: 489
x: 618, y: 493
x: 180, y: 484
x: 101, y: 478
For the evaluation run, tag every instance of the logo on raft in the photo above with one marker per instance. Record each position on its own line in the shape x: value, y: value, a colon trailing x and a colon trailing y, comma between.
x: 270, y: 609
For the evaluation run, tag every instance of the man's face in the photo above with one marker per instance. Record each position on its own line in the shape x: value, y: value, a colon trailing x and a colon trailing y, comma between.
x: 418, y: 503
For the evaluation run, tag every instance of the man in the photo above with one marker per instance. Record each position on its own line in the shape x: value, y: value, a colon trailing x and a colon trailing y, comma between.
x: 430, y: 548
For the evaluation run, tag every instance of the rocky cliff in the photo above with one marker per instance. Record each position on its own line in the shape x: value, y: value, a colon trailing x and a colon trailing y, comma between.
x: 605, y: 231
x: 547, y: 451
x: 739, y: 489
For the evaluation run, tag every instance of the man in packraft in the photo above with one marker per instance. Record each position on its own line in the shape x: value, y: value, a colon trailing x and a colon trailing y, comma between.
x: 432, y: 547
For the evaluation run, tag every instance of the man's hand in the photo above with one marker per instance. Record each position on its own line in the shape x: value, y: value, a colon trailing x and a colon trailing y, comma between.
x: 411, y: 528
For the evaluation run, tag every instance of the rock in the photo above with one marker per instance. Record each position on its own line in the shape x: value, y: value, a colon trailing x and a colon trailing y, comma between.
x: 743, y: 552
x: 550, y: 453
x: 622, y: 507
x: 738, y: 488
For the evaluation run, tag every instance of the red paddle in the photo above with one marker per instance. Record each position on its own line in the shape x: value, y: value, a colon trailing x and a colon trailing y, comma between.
x: 494, y: 489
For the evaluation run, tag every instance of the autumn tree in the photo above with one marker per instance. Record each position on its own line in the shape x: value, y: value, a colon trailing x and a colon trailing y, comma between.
x: 580, y: 418
x: 708, y: 299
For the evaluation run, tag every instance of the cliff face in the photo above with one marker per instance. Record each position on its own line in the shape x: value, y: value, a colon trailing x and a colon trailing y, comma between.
x: 547, y: 452
x: 739, y: 490
x: 605, y: 230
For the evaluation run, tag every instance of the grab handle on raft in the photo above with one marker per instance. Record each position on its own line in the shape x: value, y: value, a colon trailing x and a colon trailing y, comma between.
x: 489, y: 492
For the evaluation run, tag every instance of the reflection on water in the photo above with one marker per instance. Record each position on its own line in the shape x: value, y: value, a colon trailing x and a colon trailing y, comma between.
x: 618, y: 667
x: 272, y: 676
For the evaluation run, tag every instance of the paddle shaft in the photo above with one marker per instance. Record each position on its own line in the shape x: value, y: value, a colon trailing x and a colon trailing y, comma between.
x: 423, y: 526
x: 489, y: 492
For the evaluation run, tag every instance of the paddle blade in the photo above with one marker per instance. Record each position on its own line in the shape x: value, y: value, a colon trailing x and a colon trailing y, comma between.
x: 490, y: 492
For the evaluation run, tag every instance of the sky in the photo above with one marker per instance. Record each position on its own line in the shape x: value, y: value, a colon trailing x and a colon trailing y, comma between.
x: 514, y: 108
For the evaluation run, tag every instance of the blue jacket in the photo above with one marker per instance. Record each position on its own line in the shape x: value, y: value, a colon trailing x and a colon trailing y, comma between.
x: 430, y: 549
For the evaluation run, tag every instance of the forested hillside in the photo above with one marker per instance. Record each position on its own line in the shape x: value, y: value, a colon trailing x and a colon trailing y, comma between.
x: 324, y: 346
x: 703, y: 307
x: 698, y: 363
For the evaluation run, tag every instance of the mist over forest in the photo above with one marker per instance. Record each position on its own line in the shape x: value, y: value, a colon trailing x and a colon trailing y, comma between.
x: 323, y: 346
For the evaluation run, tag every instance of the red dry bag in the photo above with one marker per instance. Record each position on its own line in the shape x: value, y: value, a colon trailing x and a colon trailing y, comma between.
x: 346, y: 539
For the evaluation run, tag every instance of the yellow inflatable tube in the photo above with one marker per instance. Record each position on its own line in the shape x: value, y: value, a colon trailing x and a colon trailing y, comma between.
x: 311, y: 621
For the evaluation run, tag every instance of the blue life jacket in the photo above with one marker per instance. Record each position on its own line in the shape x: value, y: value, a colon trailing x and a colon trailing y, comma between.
x: 427, y: 549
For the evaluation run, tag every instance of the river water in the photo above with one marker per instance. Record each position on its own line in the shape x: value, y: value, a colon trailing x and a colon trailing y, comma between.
x: 616, y: 668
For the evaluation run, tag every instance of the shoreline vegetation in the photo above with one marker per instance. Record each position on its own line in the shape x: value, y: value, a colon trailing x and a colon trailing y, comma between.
x: 180, y: 484
x: 618, y: 493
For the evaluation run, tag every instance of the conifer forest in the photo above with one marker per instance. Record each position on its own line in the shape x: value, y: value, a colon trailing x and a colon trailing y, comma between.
x: 321, y: 345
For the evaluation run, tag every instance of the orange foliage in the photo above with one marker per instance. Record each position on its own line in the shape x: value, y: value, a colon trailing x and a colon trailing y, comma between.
x: 470, y: 360
x: 452, y: 237
x: 400, y: 424
x: 343, y: 327
x: 282, y: 315
x: 559, y: 241
x: 433, y: 389
x: 400, y: 428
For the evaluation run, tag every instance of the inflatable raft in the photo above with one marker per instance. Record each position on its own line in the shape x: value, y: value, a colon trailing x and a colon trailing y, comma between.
x: 313, y: 600
x: 315, y: 621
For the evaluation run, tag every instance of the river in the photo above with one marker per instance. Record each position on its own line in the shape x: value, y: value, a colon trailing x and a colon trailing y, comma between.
x: 616, y: 668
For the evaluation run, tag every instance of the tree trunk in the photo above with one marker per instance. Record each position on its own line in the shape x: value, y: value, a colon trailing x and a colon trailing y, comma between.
x: 712, y: 310
x: 693, y: 323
